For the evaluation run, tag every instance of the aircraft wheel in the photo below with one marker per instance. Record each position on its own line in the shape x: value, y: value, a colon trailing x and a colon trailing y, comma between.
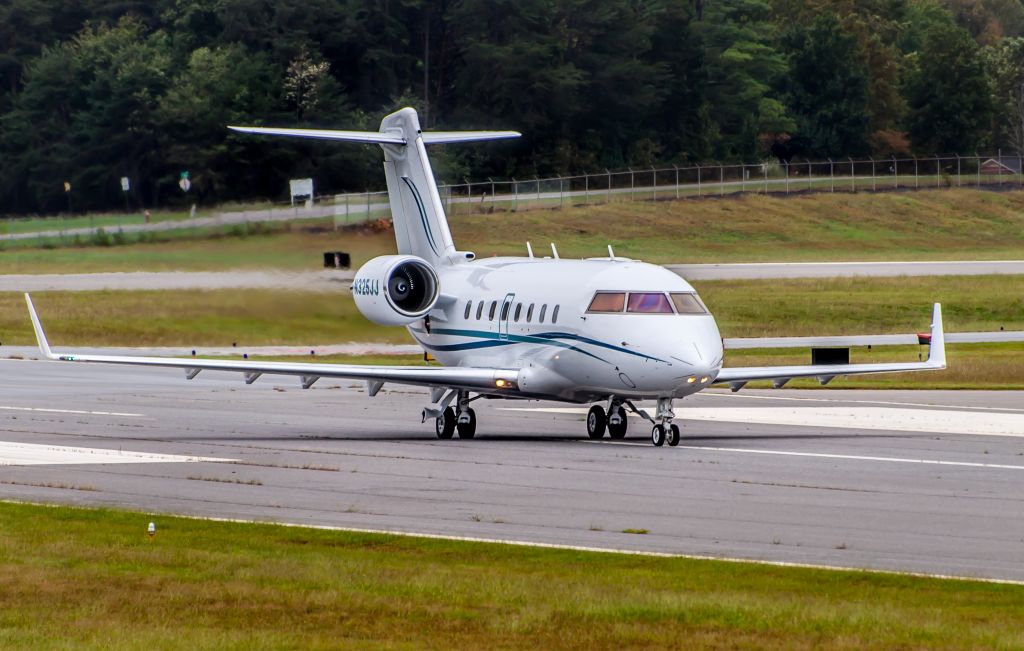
x: 658, y: 435
x: 467, y: 430
x: 596, y: 422
x: 618, y: 431
x: 445, y: 424
x: 673, y: 435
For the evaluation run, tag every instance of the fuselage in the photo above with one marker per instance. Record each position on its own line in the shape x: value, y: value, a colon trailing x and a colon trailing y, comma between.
x: 538, y: 315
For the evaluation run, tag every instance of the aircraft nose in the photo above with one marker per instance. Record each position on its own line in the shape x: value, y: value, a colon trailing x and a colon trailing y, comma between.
x: 707, y: 344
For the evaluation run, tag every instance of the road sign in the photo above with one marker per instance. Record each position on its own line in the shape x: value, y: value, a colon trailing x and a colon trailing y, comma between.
x: 300, y: 188
x: 126, y: 184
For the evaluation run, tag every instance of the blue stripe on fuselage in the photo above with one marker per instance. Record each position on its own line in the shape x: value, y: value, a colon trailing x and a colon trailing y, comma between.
x: 490, y: 339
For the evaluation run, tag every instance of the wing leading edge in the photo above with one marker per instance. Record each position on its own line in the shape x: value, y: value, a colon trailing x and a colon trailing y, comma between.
x: 488, y: 380
x: 736, y: 378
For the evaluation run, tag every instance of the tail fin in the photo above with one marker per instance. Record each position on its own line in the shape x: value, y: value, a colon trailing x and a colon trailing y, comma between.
x: 421, y: 227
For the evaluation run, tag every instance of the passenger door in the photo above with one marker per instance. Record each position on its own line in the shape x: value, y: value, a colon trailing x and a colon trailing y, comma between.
x: 504, y: 314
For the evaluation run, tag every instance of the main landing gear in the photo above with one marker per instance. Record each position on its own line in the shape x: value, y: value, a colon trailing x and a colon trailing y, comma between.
x: 614, y: 420
x: 464, y: 421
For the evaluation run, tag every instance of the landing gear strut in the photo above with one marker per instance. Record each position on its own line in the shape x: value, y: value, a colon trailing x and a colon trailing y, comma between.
x: 664, y: 429
x: 465, y: 422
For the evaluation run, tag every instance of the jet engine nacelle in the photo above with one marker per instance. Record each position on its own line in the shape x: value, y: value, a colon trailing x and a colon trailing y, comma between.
x: 395, y: 289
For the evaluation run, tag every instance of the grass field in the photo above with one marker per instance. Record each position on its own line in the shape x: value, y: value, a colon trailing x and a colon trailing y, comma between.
x: 77, y: 578
x: 263, y: 317
x: 946, y: 224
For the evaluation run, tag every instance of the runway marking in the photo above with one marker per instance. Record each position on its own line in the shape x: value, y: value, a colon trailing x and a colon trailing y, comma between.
x: 937, y: 421
x: 32, y: 454
x: 824, y: 455
x: 72, y: 411
x: 861, y: 402
x: 578, y: 548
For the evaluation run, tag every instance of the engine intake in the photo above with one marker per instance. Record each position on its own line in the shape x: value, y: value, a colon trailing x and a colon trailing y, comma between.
x: 395, y: 289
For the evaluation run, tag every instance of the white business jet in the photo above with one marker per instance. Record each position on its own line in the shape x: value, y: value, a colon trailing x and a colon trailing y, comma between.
x: 607, y: 331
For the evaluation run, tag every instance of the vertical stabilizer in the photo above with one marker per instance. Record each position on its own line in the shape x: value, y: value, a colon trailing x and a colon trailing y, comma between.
x: 420, y: 225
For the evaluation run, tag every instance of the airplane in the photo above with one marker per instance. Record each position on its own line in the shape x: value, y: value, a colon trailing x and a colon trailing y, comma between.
x: 606, y: 331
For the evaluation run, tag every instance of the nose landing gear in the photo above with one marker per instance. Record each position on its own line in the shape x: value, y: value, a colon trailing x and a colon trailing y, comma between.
x: 664, y: 429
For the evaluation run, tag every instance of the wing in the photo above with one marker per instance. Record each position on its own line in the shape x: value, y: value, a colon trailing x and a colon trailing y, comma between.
x: 736, y: 378
x: 499, y: 381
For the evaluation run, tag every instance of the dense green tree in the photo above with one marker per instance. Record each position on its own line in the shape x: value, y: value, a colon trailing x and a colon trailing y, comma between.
x: 828, y: 88
x: 947, y: 93
x: 742, y: 67
x: 91, y: 90
x: 1004, y: 64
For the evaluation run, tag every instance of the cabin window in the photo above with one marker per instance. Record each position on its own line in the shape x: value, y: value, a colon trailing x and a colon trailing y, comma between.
x: 504, y: 310
x: 554, y: 314
x: 479, y: 310
x: 519, y: 310
x: 688, y: 303
x: 543, y: 309
x: 469, y: 308
x: 529, y: 313
x: 605, y: 302
x: 648, y: 303
x: 490, y: 313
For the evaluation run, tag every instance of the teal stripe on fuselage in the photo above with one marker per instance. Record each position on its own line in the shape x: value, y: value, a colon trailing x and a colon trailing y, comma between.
x: 490, y: 339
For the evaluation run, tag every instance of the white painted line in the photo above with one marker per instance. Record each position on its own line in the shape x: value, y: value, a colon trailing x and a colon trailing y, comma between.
x: 31, y: 454
x: 937, y: 421
x: 72, y: 411
x: 930, y: 405
x: 576, y: 548
x: 822, y: 455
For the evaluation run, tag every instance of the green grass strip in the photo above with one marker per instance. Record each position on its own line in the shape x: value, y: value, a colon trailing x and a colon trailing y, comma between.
x: 91, y: 578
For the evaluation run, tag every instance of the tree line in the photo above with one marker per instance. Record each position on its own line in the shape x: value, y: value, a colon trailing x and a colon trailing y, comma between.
x: 96, y: 90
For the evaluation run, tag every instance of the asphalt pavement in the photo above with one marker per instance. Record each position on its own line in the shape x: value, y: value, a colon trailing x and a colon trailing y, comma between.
x: 911, y: 481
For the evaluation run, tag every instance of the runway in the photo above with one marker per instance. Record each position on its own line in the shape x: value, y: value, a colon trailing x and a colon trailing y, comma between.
x: 911, y: 481
x: 340, y: 279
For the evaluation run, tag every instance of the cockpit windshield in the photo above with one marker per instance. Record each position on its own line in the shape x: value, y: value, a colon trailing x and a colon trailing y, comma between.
x: 646, y: 303
x: 607, y: 302
x: 687, y: 303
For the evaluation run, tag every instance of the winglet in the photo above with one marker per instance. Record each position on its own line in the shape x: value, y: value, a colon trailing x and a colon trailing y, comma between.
x: 44, y: 346
x: 937, y: 347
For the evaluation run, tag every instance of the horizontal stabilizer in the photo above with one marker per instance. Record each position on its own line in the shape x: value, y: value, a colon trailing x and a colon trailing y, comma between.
x: 324, y: 134
x: 381, y: 138
x: 444, y: 137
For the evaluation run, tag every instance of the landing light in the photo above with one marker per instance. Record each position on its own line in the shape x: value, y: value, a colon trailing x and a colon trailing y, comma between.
x: 705, y: 380
x: 691, y: 380
x: 505, y: 384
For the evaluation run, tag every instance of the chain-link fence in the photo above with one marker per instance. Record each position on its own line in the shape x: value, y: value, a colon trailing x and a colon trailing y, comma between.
x: 650, y: 184
x: 771, y: 177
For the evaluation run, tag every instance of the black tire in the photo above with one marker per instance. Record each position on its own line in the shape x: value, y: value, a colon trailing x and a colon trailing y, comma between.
x: 658, y: 435
x: 467, y: 430
x: 596, y: 422
x: 673, y: 435
x: 618, y: 431
x: 445, y: 424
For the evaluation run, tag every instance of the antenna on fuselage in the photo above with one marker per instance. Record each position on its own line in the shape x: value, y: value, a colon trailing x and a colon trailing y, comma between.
x: 554, y: 251
x: 529, y: 249
x: 611, y: 254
